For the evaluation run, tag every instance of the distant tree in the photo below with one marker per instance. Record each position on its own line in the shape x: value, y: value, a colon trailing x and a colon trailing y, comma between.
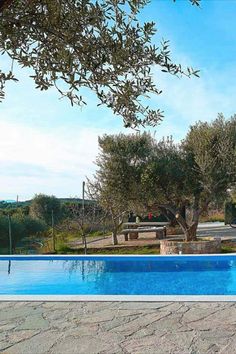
x: 24, y: 210
x: 100, y: 45
x: 32, y: 226
x: 4, y: 239
x: 42, y: 207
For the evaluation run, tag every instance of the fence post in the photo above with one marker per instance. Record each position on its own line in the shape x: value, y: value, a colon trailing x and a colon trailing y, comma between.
x: 10, y: 234
x: 53, y: 234
x: 83, y: 214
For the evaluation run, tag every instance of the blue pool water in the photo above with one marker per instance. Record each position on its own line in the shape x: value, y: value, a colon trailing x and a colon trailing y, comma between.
x: 108, y: 275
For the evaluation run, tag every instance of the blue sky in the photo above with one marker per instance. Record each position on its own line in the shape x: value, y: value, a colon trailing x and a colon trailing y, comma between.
x: 47, y: 146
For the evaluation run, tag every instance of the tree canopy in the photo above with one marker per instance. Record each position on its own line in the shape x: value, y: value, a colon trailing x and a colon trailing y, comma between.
x: 117, y: 183
x: 99, y: 45
x: 212, y: 146
x: 136, y: 172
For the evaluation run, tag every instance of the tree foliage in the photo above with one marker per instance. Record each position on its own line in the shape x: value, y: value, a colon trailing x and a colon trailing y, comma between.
x: 213, y: 148
x: 165, y: 178
x: 137, y: 173
x: 117, y: 183
x: 99, y: 45
x: 42, y: 207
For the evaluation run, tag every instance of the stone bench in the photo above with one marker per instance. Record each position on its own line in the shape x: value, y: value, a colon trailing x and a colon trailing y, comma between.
x: 133, y: 233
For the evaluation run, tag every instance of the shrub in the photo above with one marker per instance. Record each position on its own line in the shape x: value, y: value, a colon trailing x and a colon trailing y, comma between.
x: 42, y: 206
x: 21, y: 226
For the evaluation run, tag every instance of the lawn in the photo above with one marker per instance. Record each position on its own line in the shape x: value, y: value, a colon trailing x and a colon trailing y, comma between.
x: 227, y: 247
x: 113, y: 250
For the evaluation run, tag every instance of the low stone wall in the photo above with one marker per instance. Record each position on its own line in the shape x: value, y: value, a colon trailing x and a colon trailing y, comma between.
x: 174, y: 246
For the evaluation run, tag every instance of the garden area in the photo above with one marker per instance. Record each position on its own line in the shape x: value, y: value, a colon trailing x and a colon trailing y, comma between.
x: 142, y: 257
x: 138, y: 179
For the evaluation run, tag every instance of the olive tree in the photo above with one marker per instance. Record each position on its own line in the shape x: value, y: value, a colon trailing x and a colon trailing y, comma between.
x: 135, y: 172
x: 195, y: 173
x: 211, y: 151
x: 99, y: 45
x: 117, y: 184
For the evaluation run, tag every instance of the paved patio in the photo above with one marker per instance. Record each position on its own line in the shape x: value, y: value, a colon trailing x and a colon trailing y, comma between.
x: 117, y: 327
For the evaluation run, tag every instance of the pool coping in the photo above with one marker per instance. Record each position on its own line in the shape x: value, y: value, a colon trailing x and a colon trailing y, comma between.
x: 116, y: 298
x: 74, y: 256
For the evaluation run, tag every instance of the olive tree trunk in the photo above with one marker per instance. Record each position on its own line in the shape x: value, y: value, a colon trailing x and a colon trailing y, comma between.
x: 190, y: 231
x: 114, y: 237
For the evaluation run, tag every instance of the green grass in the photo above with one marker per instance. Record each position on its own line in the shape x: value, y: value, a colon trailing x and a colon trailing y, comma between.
x: 113, y: 250
x: 228, y: 247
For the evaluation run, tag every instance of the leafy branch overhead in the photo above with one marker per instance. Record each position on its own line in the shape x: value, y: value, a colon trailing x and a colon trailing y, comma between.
x: 100, y: 45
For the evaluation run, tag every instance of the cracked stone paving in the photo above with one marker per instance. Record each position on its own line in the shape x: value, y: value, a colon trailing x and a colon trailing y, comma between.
x: 117, y: 327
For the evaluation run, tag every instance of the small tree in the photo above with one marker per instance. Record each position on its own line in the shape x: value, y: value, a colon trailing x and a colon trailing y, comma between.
x: 113, y: 207
x: 84, y: 221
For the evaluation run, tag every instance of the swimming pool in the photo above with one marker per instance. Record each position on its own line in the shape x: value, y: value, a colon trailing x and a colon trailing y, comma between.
x: 22, y: 277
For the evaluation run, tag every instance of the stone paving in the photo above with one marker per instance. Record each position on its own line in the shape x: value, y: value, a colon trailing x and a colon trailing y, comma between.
x: 117, y: 327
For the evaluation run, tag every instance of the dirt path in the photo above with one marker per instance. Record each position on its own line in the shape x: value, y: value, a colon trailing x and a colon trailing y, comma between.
x: 145, y: 239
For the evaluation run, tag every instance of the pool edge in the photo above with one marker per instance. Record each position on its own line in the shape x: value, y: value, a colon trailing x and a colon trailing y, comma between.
x: 116, y: 298
x: 119, y: 298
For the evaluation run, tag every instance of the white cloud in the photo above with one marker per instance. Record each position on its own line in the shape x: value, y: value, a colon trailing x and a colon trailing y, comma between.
x: 56, y: 151
x: 34, y: 161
